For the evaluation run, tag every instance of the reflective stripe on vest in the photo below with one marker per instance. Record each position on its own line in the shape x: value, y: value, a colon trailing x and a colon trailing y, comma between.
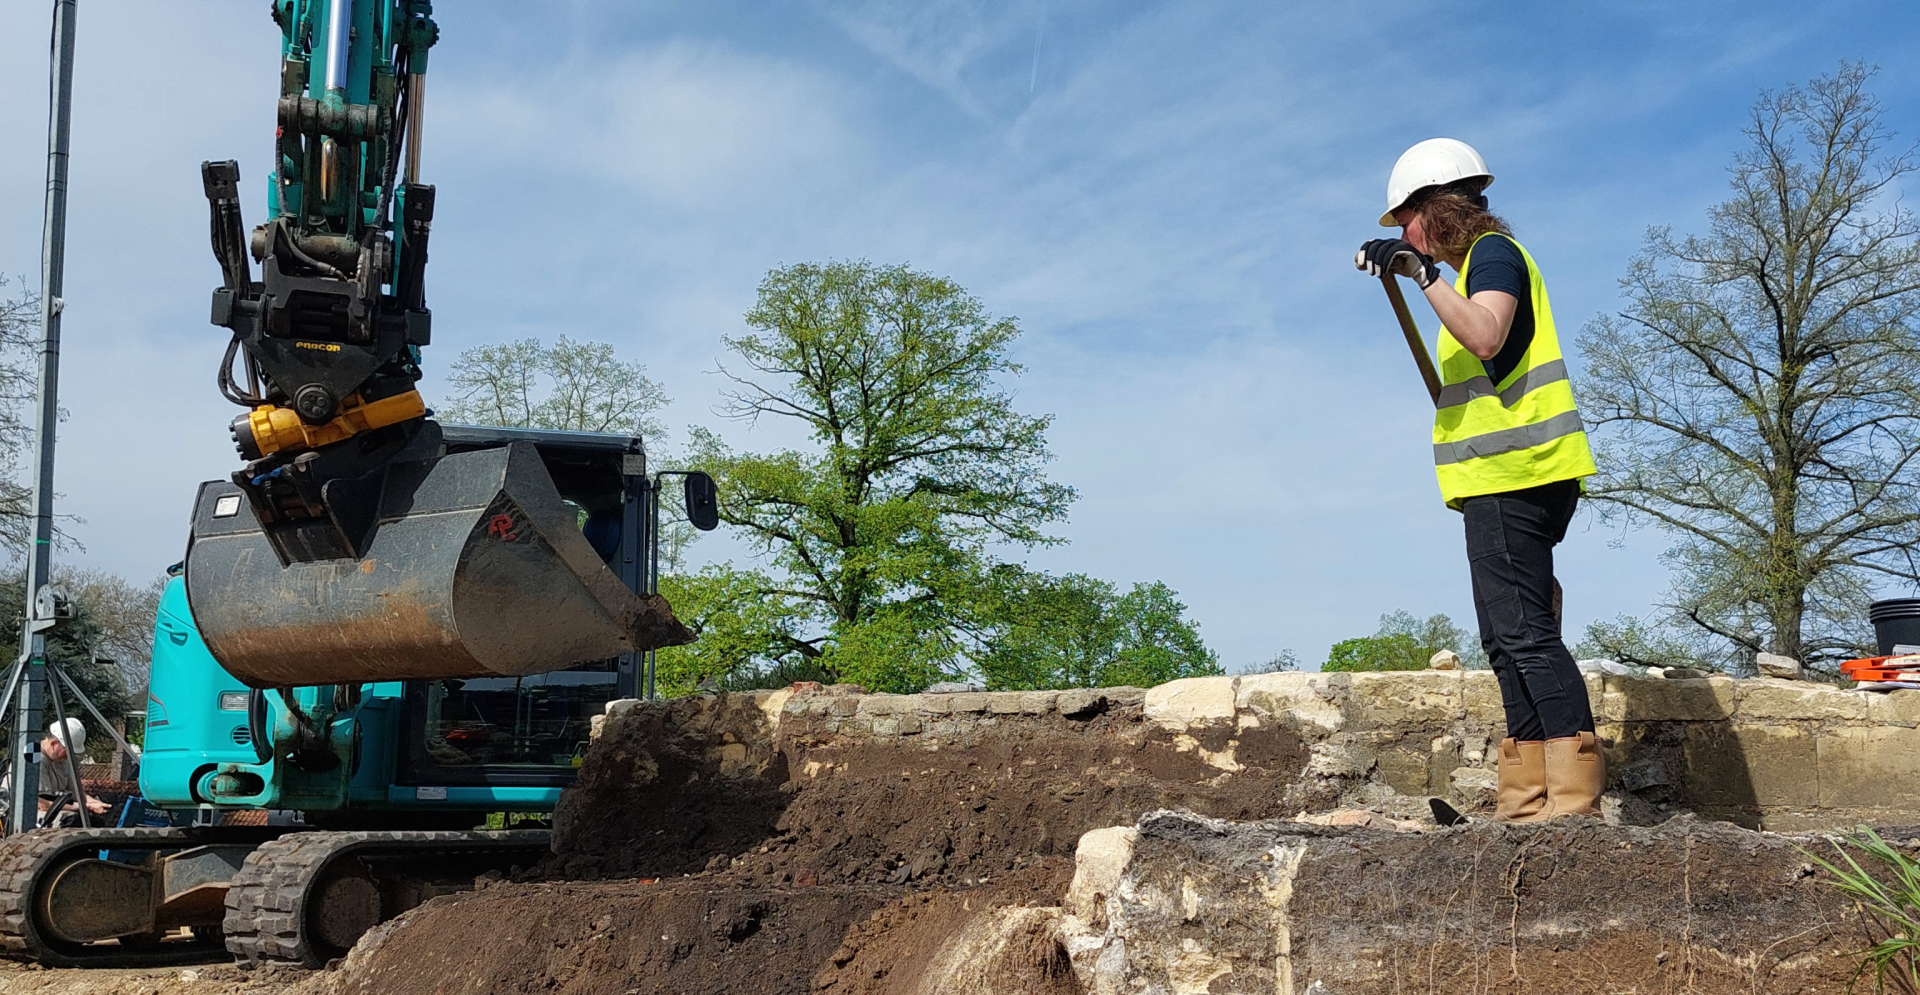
x: 1491, y: 438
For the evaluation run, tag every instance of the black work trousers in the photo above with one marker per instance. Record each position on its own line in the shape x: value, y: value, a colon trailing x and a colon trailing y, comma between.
x: 1510, y: 540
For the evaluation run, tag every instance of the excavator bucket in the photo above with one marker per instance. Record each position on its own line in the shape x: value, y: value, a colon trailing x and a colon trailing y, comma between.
x: 476, y: 568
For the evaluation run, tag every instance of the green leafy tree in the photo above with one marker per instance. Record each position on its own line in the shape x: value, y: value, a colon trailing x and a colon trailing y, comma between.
x: 1078, y: 631
x: 1404, y: 642
x: 747, y: 637
x: 1759, y: 397
x: 878, y: 533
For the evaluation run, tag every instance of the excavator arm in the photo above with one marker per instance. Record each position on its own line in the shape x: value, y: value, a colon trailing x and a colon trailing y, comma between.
x: 329, y: 335
x: 357, y: 542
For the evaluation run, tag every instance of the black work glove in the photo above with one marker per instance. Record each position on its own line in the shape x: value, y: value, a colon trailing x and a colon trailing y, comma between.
x: 1381, y: 256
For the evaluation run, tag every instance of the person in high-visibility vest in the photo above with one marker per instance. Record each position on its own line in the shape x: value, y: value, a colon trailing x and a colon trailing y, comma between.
x: 1510, y: 451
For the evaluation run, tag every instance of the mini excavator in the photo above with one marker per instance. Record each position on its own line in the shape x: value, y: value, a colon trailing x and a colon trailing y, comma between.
x: 384, y: 630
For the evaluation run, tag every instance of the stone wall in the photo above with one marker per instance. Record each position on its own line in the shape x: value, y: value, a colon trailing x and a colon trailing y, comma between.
x: 1761, y: 753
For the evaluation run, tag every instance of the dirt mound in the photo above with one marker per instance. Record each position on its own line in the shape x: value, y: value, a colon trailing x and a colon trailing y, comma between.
x: 689, y: 935
x: 942, y: 935
x: 741, y: 844
x: 985, y: 801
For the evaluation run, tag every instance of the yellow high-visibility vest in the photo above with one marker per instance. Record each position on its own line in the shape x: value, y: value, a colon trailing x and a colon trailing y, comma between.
x: 1489, y: 438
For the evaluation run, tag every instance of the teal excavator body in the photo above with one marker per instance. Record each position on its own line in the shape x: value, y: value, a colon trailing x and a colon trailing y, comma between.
x: 436, y: 752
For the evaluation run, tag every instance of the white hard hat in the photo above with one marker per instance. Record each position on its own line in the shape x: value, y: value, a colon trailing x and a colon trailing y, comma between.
x: 73, y: 736
x: 1434, y: 162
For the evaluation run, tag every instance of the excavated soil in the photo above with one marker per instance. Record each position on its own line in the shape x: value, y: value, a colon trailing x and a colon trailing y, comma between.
x: 1007, y: 797
x: 825, y: 864
x: 705, y: 850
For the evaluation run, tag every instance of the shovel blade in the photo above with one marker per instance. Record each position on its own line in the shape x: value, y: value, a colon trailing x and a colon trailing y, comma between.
x: 476, y: 568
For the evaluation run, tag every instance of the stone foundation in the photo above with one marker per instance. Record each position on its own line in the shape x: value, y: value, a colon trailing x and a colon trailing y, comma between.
x: 1182, y: 904
x: 1760, y: 753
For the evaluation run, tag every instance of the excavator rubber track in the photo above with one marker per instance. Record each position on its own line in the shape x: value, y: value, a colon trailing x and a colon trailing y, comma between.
x: 29, y: 860
x: 304, y: 898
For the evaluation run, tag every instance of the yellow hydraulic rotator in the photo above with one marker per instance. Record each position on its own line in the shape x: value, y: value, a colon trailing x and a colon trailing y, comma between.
x: 268, y: 429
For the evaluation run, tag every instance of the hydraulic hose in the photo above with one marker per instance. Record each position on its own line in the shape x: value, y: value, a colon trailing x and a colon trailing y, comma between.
x: 257, y: 730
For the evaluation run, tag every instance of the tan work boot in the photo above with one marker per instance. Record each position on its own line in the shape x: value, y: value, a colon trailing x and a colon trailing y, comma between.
x: 1523, y: 782
x: 1576, y: 775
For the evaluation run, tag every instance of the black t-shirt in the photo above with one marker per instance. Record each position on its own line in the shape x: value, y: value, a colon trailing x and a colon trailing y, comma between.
x: 1497, y: 264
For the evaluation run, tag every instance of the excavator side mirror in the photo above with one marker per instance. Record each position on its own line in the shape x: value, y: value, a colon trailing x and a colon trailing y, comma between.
x: 703, y: 501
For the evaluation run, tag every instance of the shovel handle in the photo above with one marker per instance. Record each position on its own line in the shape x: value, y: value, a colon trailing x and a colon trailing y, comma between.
x: 1414, y: 341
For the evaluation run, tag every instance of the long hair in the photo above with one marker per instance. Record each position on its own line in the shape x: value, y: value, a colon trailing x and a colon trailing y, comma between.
x: 1455, y: 215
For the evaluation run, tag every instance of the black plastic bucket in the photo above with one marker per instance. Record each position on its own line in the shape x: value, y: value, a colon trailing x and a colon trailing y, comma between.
x: 1896, y: 622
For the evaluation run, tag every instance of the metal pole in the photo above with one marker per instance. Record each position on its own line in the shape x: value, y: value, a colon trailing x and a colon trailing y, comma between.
x: 53, y: 251
x: 1428, y: 375
x: 653, y: 560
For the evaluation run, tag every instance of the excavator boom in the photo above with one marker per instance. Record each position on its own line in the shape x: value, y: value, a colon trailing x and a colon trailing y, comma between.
x: 353, y: 545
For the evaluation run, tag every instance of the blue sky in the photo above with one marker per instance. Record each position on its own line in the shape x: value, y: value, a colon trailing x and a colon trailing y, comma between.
x: 1166, y: 195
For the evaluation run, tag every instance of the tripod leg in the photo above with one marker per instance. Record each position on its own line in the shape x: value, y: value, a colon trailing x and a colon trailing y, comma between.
x: 73, y: 762
x: 14, y: 674
x: 95, y: 712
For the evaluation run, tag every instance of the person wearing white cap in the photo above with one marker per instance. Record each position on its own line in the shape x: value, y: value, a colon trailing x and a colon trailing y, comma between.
x: 1510, y: 451
x: 55, y: 777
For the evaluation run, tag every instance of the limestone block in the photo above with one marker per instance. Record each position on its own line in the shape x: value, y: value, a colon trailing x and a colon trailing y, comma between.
x: 1004, y: 702
x: 971, y: 702
x: 1405, y: 699
x: 773, y: 704
x: 1191, y: 701
x: 1405, y: 771
x: 1738, y: 769
x: 884, y: 704
x: 1775, y: 665
x: 1099, y: 860
x: 1643, y: 699
x: 1444, y: 660
x: 843, y: 704
x: 1480, y: 698
x: 933, y: 704
x: 1203, y: 906
x: 1892, y: 708
x: 1473, y: 787
x: 1304, y: 703
x: 1125, y: 696
x: 1037, y: 702
x: 886, y: 725
x: 1339, y: 759
x: 1773, y: 699
x: 1869, y: 767
x: 906, y: 725
x: 1080, y: 703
